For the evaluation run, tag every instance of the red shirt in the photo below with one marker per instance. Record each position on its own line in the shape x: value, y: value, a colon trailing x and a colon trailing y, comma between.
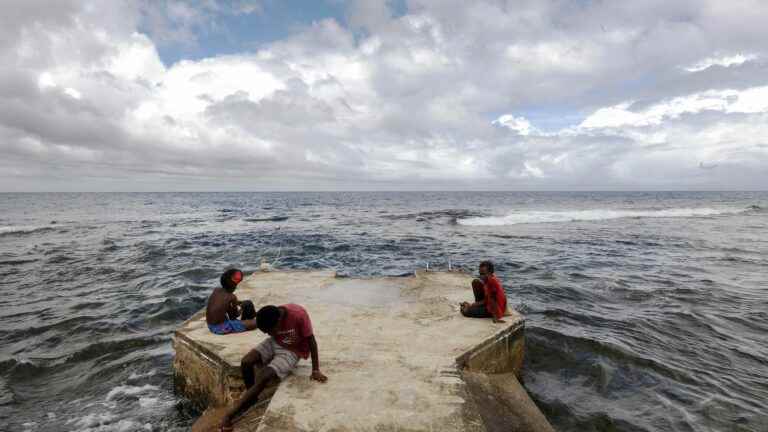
x: 493, y: 290
x: 294, y: 329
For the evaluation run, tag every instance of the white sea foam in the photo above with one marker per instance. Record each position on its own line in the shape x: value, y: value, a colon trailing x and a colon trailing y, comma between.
x: 129, y: 390
x: 95, y: 419
x: 109, y: 415
x: 108, y: 423
x: 147, y: 402
x: 529, y: 217
x: 115, y: 413
x: 20, y: 229
x: 155, y: 401
x: 135, y: 376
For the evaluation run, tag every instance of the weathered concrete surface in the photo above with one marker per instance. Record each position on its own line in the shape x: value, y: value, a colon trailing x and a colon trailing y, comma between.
x: 504, y: 404
x: 393, y: 349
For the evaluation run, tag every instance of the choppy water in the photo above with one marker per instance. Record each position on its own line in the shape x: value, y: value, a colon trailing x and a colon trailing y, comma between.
x: 646, y: 311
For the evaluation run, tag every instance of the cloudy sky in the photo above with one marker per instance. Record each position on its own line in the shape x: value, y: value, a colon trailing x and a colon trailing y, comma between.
x: 154, y: 95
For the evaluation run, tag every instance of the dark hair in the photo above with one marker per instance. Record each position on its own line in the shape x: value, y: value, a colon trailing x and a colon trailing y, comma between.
x: 488, y: 265
x: 267, y: 317
x: 226, y: 279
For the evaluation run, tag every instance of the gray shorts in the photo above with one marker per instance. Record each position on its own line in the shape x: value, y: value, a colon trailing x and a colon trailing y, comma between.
x: 281, y: 360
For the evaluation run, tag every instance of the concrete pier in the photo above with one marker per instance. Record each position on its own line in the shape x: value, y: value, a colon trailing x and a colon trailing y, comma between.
x: 397, y: 353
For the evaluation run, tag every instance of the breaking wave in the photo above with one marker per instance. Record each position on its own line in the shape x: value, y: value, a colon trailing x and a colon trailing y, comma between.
x: 15, y: 230
x: 530, y: 217
x: 643, y: 312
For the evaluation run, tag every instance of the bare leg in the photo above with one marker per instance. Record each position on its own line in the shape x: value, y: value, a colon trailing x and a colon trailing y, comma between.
x: 249, y: 361
x: 248, y: 310
x: 250, y: 324
x: 249, y: 397
x: 477, y: 290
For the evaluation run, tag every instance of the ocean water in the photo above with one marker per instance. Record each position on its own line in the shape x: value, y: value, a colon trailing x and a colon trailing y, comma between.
x: 647, y: 311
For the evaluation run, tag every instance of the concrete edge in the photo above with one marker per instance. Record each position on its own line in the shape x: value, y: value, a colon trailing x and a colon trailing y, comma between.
x: 490, y: 341
x: 504, y: 404
x: 206, y: 353
x: 461, y: 367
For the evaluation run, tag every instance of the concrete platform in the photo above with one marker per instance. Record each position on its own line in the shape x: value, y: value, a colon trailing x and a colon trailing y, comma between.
x: 395, y: 351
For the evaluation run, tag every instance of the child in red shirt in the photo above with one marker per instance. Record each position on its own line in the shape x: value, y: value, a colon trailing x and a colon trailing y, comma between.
x: 291, y: 338
x: 490, y: 299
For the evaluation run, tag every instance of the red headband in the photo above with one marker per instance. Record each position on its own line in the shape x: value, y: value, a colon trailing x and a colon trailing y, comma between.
x: 237, y: 277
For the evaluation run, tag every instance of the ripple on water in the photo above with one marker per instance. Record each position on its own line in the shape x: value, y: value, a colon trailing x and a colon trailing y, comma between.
x: 7, y: 396
x: 606, y: 351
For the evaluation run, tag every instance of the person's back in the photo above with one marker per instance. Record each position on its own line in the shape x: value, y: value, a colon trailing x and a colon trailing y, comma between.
x: 496, y: 298
x: 222, y: 311
x: 219, y: 306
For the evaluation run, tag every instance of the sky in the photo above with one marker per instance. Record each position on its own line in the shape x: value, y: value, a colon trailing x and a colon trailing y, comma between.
x: 271, y: 95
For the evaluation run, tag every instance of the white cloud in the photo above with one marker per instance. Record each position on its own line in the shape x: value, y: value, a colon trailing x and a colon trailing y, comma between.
x: 570, y: 56
x: 532, y: 170
x: 73, y: 93
x: 752, y: 100
x: 412, y: 102
x: 517, y: 124
x: 45, y: 80
x: 136, y: 58
x: 725, y: 61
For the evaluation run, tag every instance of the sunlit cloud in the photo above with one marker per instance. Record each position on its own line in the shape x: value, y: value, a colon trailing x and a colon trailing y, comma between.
x: 439, y: 95
x: 725, y: 61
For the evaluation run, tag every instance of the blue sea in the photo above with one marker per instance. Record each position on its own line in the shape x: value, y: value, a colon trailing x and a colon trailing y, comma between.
x: 646, y: 311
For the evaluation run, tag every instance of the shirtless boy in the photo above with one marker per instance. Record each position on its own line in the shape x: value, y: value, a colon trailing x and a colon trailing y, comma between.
x: 224, y: 309
x: 290, y: 338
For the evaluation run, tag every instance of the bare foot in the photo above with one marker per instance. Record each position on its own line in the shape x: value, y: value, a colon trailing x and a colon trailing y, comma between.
x: 226, y: 425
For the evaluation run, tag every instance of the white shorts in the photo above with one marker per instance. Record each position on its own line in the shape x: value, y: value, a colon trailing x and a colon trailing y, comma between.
x: 281, y: 360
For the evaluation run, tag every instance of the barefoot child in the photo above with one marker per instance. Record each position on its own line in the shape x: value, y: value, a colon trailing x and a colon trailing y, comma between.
x: 290, y: 338
x: 224, y: 308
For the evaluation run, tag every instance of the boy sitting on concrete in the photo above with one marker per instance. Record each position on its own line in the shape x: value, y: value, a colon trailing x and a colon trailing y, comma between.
x: 490, y: 299
x: 291, y: 338
x: 224, y: 308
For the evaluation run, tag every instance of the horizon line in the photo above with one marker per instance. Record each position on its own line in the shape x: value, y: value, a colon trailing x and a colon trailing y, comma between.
x: 390, y: 191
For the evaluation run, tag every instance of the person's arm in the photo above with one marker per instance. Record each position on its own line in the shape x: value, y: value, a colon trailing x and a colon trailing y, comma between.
x: 479, y: 303
x: 493, y: 304
x: 235, y: 300
x: 232, y: 311
x: 316, y: 374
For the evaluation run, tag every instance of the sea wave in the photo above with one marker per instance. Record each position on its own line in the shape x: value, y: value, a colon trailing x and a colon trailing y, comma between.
x: 530, y: 217
x: 267, y: 219
x: 452, y: 214
x: 6, y: 395
x: 619, y: 323
x: 16, y: 230
x: 130, y: 391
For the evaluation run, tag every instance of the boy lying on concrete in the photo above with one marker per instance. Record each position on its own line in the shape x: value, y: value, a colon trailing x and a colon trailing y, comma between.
x: 490, y: 299
x: 224, y: 309
x: 291, y: 338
